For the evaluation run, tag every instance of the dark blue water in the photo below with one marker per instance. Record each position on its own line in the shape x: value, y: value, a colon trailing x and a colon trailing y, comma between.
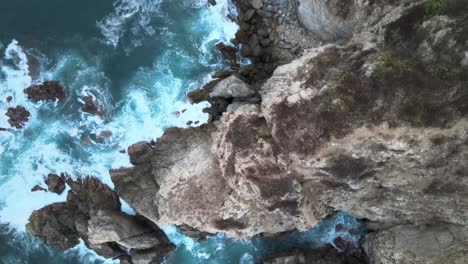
x: 138, y: 58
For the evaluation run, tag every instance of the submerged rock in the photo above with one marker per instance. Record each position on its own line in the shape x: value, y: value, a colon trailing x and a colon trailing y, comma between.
x: 37, y: 188
x: 91, y: 106
x: 18, y: 116
x: 47, y: 91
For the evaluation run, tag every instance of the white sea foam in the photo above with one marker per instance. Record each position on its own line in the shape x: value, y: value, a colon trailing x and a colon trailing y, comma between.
x: 134, y: 15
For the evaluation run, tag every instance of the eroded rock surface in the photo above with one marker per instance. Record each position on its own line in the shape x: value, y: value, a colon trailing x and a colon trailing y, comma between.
x: 92, y: 213
x: 428, y: 244
x: 55, y: 183
x: 18, y: 116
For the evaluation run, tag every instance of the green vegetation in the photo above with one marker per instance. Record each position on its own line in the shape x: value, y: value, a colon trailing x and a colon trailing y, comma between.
x: 421, y: 32
x: 446, y: 72
x: 263, y: 135
x: 324, y: 60
x: 395, y: 36
x: 436, y: 7
x: 456, y: 118
x: 388, y: 63
x: 337, y: 85
x: 336, y: 79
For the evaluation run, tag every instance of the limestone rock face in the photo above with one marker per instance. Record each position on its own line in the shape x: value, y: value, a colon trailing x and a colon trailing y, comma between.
x: 161, y: 180
x: 442, y: 243
x: 393, y: 175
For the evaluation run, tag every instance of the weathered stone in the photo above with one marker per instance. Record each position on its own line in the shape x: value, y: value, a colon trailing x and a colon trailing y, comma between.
x: 91, y: 106
x: 54, y: 224
x: 18, y: 116
x: 257, y: 4
x: 432, y: 244
x: 128, y: 231
x: 92, y: 213
x: 49, y: 90
x: 55, y: 183
x: 37, y: 188
x: 232, y: 87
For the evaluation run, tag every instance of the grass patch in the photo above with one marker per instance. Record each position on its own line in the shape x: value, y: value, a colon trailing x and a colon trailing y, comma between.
x: 446, y: 72
x: 436, y: 7
x: 390, y: 64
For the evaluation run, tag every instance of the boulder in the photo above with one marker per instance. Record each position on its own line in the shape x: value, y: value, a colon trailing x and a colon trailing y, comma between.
x: 257, y: 4
x: 55, y: 225
x: 128, y: 231
x: 18, y: 116
x: 232, y: 87
x: 37, y: 188
x: 47, y: 91
x: 91, y: 106
x: 55, y: 183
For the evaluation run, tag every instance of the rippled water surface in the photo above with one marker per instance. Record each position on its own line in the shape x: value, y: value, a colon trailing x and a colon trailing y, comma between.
x: 138, y: 58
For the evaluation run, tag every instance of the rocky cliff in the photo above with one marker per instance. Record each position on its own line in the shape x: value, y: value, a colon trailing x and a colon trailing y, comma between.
x: 366, y: 114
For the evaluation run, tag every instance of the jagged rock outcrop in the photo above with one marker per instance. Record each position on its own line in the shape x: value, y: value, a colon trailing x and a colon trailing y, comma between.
x: 47, y: 91
x: 92, y: 213
x: 18, y: 116
x: 304, y: 153
x: 368, y: 127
